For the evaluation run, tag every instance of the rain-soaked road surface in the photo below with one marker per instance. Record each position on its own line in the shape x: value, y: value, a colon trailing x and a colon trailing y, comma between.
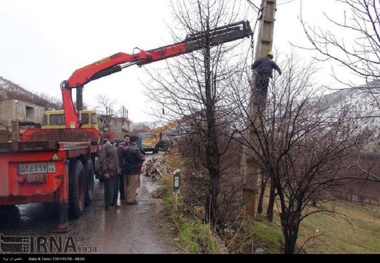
x: 131, y: 229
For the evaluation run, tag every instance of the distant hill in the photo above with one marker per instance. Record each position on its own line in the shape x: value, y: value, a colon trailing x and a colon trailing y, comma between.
x: 10, y: 90
x: 365, y: 100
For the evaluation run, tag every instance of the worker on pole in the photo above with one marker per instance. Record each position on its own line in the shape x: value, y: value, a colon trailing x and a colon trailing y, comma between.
x: 264, y: 68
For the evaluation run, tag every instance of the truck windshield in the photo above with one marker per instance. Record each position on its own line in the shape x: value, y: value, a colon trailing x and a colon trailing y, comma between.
x: 146, y: 136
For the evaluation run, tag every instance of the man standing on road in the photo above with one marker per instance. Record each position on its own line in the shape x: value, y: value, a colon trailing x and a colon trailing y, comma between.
x: 132, y: 161
x: 122, y: 145
x: 109, y: 165
x: 141, y: 148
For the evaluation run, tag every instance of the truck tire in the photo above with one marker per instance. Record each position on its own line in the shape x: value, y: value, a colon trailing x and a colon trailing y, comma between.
x: 77, y: 189
x: 89, y: 168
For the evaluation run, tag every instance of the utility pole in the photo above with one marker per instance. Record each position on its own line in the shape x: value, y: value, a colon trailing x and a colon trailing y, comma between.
x: 256, y: 109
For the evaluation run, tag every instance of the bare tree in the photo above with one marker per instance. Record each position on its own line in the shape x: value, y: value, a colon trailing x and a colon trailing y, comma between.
x: 106, y: 106
x: 359, y: 49
x: 106, y: 109
x: 49, y: 101
x: 305, y: 150
x: 195, y: 85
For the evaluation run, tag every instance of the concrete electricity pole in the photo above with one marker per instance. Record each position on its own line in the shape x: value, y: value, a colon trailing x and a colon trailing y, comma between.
x: 256, y: 107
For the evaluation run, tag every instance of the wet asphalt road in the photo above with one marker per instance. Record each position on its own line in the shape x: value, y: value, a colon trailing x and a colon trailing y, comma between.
x: 131, y: 229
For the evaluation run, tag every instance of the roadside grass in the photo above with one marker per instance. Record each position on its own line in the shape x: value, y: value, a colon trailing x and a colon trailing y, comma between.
x: 268, y: 235
x: 257, y: 237
x: 196, y: 237
x: 192, y: 236
x: 352, y: 229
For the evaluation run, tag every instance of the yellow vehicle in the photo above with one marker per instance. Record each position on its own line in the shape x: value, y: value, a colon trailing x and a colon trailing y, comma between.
x: 55, y: 119
x: 151, y: 140
x: 148, y: 140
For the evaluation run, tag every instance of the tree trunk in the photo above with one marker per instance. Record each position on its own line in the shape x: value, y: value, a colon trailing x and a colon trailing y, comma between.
x: 290, y: 222
x: 211, y: 204
x: 271, y: 201
x: 263, y: 185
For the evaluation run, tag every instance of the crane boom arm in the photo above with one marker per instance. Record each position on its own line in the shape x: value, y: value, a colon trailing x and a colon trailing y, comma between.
x: 118, y: 61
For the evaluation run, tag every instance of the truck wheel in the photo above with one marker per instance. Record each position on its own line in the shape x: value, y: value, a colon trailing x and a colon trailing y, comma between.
x: 77, y: 189
x: 89, y: 168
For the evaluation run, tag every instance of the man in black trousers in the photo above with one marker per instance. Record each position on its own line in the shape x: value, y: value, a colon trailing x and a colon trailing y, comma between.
x: 264, y: 68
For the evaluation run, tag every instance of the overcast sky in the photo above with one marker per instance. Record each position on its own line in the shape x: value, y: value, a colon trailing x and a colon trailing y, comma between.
x: 43, y: 41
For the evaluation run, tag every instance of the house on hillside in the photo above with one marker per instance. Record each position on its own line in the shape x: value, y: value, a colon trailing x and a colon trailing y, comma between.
x: 19, y: 104
x: 11, y: 109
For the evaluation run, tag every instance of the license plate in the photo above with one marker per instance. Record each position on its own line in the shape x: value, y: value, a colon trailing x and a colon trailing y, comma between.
x: 36, y: 168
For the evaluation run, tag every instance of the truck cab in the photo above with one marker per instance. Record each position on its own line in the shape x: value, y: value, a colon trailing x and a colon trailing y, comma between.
x: 55, y: 119
x: 148, y: 141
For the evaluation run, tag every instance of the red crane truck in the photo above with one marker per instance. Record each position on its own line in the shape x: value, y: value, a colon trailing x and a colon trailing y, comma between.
x: 58, y: 165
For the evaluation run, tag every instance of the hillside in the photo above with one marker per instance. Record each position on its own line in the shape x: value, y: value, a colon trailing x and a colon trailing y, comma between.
x: 365, y: 100
x: 10, y: 90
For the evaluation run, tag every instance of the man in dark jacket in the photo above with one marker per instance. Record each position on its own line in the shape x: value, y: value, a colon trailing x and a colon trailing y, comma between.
x: 120, y: 148
x: 109, y: 165
x: 141, y: 148
x: 132, y: 161
x: 264, y: 68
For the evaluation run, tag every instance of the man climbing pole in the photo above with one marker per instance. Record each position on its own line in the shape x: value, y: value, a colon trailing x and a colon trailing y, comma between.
x: 264, y: 68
